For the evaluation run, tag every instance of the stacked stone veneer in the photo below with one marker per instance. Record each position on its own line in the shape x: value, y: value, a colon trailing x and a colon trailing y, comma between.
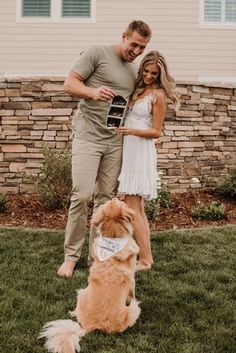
x: 198, y: 144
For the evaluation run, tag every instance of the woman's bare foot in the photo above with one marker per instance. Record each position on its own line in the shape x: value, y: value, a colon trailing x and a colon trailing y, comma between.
x: 66, y: 269
x: 141, y: 266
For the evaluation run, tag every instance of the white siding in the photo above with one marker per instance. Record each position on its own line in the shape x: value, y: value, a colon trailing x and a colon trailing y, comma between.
x: 51, y: 48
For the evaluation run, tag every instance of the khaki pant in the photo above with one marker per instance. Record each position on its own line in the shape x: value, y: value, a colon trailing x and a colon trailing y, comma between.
x: 95, y: 170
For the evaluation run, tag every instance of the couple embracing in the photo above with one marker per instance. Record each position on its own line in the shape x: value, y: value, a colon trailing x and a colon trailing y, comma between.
x: 123, y: 159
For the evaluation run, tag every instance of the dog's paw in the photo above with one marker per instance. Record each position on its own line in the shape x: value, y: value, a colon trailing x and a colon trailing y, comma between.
x: 72, y: 313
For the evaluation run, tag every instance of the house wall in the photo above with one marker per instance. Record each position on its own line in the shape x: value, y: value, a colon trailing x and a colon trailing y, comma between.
x: 197, y: 147
x: 191, y: 51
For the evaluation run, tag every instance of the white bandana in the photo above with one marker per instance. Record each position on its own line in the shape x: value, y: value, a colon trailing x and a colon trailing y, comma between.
x: 108, y: 247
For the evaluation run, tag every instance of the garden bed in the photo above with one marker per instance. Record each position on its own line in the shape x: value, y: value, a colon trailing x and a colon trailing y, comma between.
x: 27, y: 211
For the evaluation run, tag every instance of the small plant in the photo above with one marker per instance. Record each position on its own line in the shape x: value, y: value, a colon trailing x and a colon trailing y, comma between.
x: 164, y: 197
x: 213, y: 211
x: 151, y: 208
x: 54, y: 184
x: 227, y: 186
x: 3, y: 202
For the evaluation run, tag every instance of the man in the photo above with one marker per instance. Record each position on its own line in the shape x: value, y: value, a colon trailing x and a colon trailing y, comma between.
x: 100, y: 73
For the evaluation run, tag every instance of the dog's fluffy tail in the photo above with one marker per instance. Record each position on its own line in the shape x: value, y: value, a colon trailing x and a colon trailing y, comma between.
x: 62, y: 336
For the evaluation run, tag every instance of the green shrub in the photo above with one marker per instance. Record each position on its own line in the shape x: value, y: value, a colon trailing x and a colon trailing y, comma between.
x: 227, y: 185
x: 151, y: 208
x: 3, y: 202
x: 54, y: 184
x: 213, y: 211
x: 164, y: 197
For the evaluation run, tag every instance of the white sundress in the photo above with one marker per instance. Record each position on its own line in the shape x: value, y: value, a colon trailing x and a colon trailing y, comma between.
x: 139, y: 162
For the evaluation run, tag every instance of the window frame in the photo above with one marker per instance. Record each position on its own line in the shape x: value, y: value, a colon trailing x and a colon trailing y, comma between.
x: 56, y: 14
x: 212, y: 24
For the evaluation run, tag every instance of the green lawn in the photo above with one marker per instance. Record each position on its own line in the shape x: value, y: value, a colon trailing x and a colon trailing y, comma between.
x: 187, y: 299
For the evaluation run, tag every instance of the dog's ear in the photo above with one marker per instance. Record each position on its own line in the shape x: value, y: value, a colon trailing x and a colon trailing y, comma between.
x: 97, y: 217
x: 128, y: 214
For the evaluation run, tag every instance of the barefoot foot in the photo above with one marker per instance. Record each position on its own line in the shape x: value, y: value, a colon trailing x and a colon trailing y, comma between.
x: 66, y: 269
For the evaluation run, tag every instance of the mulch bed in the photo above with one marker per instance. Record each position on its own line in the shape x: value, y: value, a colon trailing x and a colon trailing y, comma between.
x: 28, y: 212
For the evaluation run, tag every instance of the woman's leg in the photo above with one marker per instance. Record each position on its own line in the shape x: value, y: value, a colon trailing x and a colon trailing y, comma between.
x: 140, y: 232
x: 147, y: 228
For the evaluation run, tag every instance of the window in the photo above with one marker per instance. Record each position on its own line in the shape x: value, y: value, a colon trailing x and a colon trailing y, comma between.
x: 75, y: 8
x: 55, y: 10
x: 218, y: 13
x: 38, y: 8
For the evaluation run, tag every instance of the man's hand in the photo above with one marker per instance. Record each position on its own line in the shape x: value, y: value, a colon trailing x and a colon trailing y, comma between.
x: 74, y: 85
x: 103, y: 93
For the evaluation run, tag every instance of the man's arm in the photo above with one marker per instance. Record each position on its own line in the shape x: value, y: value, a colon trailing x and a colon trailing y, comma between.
x: 74, y: 86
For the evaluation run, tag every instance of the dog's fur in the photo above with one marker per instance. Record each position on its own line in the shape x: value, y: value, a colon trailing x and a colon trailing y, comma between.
x: 108, y: 303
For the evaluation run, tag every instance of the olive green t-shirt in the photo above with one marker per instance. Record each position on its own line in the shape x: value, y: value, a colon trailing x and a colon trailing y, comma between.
x: 100, y: 65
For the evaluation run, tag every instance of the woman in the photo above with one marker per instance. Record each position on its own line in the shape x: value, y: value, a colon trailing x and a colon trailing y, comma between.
x: 143, y: 124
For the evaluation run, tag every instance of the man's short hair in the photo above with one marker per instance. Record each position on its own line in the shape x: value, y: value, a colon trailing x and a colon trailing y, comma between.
x: 139, y: 26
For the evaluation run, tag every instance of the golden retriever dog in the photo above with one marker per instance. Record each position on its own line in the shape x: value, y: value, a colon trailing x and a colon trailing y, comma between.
x: 108, y: 303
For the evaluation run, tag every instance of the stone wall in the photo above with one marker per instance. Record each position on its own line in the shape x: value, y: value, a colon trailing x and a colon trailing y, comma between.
x: 197, y: 147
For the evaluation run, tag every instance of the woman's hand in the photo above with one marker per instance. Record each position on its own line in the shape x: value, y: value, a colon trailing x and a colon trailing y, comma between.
x: 125, y: 130
x: 145, y: 133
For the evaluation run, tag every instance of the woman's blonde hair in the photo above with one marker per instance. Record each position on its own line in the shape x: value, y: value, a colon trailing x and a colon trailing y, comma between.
x: 164, y: 80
